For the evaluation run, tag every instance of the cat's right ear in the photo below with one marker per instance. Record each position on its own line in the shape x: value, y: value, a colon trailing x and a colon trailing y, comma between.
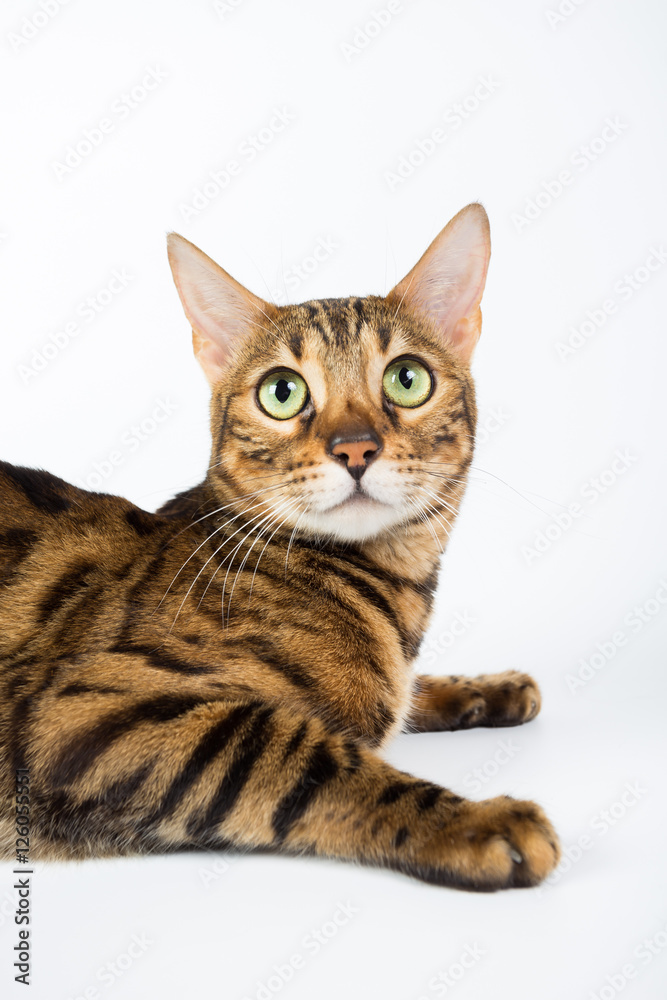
x: 220, y: 310
x: 445, y: 287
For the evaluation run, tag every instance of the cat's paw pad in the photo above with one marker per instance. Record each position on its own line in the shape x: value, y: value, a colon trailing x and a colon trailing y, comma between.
x: 499, y: 843
x: 469, y: 709
x: 510, y: 698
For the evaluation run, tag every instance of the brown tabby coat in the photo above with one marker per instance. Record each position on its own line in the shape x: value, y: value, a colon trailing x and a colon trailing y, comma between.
x: 224, y: 672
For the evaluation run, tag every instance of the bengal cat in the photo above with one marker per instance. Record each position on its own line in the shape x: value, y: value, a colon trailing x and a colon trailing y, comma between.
x: 224, y: 673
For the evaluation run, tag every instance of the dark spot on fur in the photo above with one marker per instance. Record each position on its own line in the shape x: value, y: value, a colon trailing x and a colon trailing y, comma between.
x: 402, y: 835
x: 142, y: 522
x: 44, y: 491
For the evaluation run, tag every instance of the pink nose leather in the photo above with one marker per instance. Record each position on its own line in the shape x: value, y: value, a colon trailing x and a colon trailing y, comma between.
x: 355, y: 451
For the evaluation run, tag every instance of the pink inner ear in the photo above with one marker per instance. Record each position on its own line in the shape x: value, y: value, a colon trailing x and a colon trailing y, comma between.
x: 464, y: 336
x: 445, y: 286
x: 220, y: 310
x: 210, y: 356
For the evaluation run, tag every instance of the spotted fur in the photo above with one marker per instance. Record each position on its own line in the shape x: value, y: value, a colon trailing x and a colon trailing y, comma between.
x: 225, y: 672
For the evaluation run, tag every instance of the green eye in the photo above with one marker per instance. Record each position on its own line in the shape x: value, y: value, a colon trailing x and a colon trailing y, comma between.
x: 407, y: 383
x: 283, y: 394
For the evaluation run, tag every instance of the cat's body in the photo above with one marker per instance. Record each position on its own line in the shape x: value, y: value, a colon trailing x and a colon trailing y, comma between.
x: 224, y: 672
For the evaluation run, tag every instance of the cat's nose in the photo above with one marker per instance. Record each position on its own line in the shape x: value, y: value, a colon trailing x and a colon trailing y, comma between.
x: 356, y: 451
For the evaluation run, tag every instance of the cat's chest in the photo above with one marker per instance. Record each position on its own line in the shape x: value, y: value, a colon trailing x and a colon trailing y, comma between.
x: 331, y: 635
x: 317, y: 608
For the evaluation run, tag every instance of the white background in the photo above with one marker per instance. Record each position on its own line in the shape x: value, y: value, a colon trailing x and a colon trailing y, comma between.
x: 535, y: 595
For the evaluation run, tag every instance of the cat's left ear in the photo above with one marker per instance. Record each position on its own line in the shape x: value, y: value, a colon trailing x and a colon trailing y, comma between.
x: 220, y: 310
x: 445, y: 287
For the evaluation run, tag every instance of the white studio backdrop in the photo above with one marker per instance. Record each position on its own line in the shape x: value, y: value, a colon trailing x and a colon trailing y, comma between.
x: 315, y: 150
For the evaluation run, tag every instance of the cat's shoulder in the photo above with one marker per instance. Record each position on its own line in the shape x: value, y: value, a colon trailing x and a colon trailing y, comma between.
x: 27, y: 494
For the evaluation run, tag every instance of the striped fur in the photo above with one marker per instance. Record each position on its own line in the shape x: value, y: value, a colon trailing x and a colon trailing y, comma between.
x: 225, y: 672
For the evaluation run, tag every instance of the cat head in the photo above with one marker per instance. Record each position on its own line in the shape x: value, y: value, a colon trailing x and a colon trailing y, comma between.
x: 345, y: 418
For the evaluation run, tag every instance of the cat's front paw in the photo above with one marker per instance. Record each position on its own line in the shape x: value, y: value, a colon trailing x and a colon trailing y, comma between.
x: 500, y: 843
x: 509, y: 698
x: 449, y: 703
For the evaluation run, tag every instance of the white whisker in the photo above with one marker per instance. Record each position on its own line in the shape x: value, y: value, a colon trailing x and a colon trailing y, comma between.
x: 291, y: 538
x: 233, y: 535
x: 257, y: 493
x: 268, y: 517
x: 287, y: 505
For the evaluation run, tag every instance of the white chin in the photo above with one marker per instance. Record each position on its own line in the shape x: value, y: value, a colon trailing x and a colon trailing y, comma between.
x: 354, y: 520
